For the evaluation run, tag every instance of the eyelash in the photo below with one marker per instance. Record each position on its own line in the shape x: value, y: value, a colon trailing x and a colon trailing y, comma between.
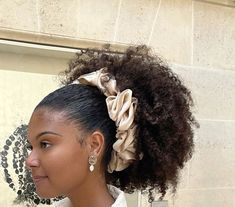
x: 43, y: 145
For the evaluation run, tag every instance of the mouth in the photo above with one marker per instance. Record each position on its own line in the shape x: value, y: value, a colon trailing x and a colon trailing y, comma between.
x: 37, y: 179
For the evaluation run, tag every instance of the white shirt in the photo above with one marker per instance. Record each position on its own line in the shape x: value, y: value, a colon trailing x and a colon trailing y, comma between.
x: 118, y: 195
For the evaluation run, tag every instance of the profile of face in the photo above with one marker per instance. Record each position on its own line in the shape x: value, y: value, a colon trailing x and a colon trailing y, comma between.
x: 58, y: 161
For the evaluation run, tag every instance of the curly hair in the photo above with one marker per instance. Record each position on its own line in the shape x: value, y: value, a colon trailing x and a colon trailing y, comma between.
x: 164, y: 119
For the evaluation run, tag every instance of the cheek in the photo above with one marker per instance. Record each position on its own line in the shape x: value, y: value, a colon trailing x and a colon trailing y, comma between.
x: 66, y: 168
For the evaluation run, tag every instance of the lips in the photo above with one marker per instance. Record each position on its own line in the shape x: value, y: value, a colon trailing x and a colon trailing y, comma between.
x: 38, y: 178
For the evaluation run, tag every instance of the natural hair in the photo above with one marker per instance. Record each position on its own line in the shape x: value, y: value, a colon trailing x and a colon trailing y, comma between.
x: 163, y: 117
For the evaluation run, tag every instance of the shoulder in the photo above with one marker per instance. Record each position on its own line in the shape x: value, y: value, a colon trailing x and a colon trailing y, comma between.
x: 118, y: 195
x: 63, y: 203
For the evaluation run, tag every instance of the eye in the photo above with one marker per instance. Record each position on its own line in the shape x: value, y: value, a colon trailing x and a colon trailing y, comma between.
x: 44, y: 144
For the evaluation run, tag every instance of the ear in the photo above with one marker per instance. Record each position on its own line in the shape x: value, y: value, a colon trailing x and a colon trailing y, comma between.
x: 96, y: 143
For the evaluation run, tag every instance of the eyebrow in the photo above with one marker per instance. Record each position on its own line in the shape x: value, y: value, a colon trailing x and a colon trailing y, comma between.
x: 47, y: 132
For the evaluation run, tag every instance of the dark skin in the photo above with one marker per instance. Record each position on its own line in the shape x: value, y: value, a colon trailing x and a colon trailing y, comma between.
x: 59, y: 162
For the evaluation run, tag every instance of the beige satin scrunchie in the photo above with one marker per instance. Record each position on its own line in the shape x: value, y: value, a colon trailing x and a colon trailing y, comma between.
x: 121, y: 108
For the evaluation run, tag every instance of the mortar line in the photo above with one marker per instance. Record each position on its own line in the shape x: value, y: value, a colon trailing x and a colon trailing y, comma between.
x: 117, y: 20
x: 154, y: 23
x: 38, y: 16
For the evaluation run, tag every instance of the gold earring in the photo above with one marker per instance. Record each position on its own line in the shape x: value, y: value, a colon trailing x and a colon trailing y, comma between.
x: 92, y: 161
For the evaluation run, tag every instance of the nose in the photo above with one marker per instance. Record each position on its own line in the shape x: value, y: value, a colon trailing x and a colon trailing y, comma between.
x: 32, y: 160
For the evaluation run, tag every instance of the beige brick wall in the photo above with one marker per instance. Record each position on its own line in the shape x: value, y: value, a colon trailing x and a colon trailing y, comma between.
x: 197, y: 39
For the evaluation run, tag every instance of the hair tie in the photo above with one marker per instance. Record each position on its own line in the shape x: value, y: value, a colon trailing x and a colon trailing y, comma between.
x: 121, y: 109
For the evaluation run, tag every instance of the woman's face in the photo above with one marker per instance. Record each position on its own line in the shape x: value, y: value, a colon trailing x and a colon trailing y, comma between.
x: 59, y: 163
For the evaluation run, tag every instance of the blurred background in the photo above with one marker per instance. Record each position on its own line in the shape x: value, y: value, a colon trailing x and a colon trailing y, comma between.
x: 196, y: 38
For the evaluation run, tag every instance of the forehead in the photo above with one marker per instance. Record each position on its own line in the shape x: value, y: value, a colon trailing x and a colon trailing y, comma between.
x: 48, y: 120
x: 47, y: 115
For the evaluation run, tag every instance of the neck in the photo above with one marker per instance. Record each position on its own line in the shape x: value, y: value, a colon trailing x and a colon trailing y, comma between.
x: 92, y: 194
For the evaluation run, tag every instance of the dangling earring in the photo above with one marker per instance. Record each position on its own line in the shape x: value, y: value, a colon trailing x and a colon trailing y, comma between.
x: 92, y: 161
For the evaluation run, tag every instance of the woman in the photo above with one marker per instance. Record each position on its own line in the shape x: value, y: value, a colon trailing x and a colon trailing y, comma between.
x: 120, y: 123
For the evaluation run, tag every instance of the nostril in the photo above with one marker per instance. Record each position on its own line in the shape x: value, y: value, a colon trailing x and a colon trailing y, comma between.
x: 27, y: 163
x: 31, y: 161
